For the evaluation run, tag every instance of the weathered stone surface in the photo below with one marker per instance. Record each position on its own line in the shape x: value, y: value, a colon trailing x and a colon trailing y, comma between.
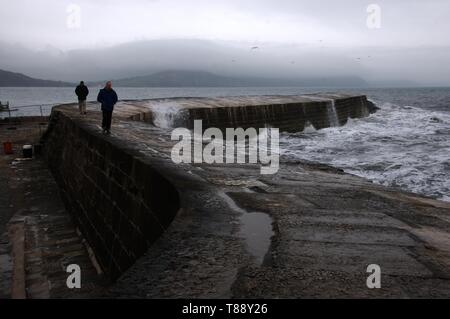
x: 288, y: 113
x: 327, y: 226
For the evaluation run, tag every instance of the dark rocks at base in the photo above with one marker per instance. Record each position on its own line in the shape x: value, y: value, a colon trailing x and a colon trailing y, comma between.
x: 372, y: 107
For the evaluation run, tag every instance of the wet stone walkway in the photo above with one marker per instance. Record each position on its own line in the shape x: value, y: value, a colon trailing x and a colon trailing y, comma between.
x: 308, y: 231
x: 327, y: 227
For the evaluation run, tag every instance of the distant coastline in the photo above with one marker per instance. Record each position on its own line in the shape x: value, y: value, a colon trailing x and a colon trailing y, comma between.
x: 185, y: 78
x: 12, y: 79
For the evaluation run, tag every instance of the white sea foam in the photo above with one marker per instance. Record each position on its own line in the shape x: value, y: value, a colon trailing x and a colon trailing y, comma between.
x: 400, y: 146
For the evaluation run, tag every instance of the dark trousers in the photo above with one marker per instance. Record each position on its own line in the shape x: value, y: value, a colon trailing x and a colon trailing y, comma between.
x: 106, y: 123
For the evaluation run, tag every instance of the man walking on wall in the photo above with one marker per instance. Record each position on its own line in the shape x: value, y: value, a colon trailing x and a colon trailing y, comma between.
x: 108, y: 98
x: 82, y: 92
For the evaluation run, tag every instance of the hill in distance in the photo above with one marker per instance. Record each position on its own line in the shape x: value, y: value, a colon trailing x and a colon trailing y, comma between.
x: 11, y: 79
x: 183, y: 78
x: 180, y: 78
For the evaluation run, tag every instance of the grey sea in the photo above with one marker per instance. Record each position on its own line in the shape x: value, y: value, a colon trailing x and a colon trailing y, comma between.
x: 406, y: 144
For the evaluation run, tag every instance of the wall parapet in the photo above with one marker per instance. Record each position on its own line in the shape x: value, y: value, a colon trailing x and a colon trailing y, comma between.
x: 121, y: 204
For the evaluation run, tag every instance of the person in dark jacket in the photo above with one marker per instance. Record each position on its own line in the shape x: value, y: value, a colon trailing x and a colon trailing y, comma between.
x: 82, y: 92
x: 108, y: 98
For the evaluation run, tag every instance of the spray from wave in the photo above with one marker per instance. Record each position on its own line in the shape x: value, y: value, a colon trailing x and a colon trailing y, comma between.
x: 168, y: 114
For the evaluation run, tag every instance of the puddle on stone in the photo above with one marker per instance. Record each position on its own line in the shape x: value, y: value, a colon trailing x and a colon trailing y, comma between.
x: 256, y: 229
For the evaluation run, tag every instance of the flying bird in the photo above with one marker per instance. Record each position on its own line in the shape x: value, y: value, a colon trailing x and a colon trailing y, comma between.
x: 254, y: 48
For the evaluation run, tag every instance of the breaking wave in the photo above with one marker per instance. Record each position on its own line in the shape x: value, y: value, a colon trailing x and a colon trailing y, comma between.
x: 403, y: 146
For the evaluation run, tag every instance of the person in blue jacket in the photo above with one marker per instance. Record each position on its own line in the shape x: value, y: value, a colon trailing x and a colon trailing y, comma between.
x: 108, y: 98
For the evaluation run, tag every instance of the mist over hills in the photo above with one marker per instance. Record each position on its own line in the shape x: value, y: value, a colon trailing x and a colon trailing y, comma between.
x: 182, y: 78
x: 152, y: 63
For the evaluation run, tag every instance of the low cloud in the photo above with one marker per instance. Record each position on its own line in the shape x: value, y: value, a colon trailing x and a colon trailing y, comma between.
x: 427, y: 65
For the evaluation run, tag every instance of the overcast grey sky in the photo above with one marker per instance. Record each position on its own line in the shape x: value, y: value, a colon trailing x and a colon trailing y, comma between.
x: 410, y: 41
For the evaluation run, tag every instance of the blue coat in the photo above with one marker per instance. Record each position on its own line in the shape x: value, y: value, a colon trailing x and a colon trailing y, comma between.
x: 107, y: 98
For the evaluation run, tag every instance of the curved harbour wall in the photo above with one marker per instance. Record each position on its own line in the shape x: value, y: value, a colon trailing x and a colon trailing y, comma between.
x: 288, y: 113
x: 120, y: 201
x: 124, y: 191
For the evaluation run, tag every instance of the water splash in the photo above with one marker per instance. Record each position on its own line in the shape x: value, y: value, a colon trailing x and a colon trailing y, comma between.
x: 169, y: 115
x: 309, y: 128
x: 332, y: 114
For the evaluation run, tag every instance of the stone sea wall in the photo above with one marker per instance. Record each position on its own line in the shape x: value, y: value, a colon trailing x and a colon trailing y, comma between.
x: 308, y: 231
x: 289, y: 117
x: 120, y: 203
